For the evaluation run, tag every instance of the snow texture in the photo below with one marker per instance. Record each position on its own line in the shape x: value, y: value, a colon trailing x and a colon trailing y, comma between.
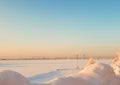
x: 92, y: 74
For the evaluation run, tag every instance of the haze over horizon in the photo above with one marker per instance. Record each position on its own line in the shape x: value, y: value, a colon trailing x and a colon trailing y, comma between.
x: 50, y: 28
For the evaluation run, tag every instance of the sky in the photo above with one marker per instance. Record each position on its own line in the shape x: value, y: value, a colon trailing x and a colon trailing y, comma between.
x: 59, y: 28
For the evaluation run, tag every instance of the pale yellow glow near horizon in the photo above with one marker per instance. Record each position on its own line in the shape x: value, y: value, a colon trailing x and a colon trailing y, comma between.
x: 52, y: 52
x: 28, y: 50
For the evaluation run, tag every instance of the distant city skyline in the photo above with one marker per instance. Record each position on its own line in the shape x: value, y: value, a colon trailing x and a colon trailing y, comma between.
x: 59, y: 28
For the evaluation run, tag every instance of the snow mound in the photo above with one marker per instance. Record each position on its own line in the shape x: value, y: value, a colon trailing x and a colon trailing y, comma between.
x: 90, y: 61
x: 92, y: 74
x: 116, y: 65
x: 8, y: 77
x: 95, y: 74
x: 45, y: 77
x: 99, y: 74
x: 116, y: 59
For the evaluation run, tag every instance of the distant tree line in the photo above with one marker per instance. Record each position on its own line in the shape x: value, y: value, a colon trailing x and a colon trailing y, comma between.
x: 58, y: 58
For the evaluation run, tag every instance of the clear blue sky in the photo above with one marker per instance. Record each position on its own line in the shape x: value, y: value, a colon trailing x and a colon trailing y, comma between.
x: 59, y: 27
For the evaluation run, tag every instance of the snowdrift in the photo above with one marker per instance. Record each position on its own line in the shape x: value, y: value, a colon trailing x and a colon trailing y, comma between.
x: 45, y: 77
x: 92, y: 74
x: 41, y: 78
x: 8, y: 77
x: 116, y: 65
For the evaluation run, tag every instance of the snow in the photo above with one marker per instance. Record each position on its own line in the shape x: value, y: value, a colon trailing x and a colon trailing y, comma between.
x: 90, y: 61
x: 99, y: 74
x: 94, y: 73
x: 25, y: 67
x: 116, y: 65
x: 8, y: 77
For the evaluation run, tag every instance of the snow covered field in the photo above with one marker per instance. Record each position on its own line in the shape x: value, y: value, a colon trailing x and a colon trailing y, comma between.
x: 42, y: 70
x: 59, y: 72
